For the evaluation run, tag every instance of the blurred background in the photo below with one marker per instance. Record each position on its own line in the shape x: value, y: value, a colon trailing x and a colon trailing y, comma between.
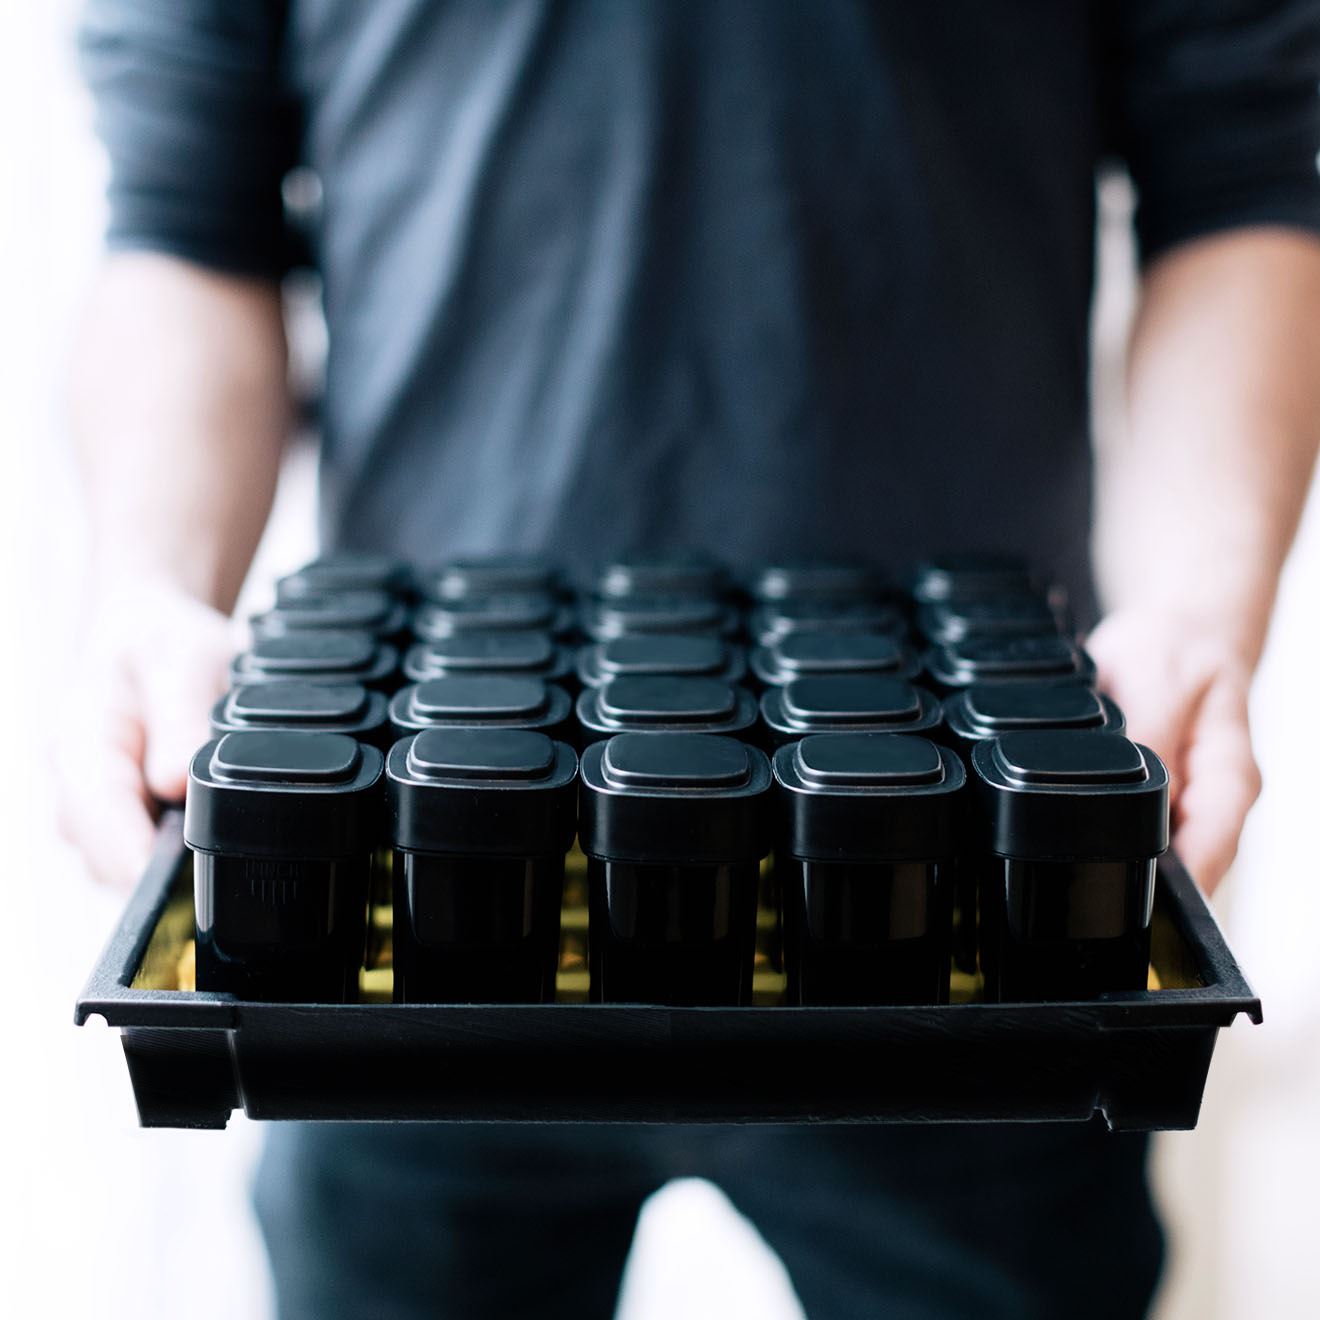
x: 113, y: 1221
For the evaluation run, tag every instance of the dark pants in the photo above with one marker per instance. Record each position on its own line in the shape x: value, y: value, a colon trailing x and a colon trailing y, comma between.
x: 455, y: 1223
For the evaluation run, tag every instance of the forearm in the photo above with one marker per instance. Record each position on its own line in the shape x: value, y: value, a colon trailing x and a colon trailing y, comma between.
x: 1202, y: 495
x: 180, y: 411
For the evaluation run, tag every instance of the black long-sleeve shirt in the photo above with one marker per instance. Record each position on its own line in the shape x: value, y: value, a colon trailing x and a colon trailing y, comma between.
x: 745, y: 274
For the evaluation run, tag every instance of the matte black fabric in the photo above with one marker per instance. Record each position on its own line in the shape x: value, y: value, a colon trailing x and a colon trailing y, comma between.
x: 755, y: 275
x: 404, y: 1222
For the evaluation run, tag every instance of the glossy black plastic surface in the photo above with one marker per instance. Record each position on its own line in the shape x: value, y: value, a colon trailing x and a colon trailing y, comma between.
x: 603, y: 619
x: 664, y: 703
x: 992, y: 659
x: 847, y: 703
x: 971, y: 576
x: 680, y: 655
x: 318, y: 657
x: 680, y: 935
x: 376, y: 612
x: 509, y: 651
x: 475, y: 930
x: 662, y: 575
x: 803, y: 578
x: 481, y: 701
x: 486, y: 575
x: 278, y: 929
x: 300, y: 706
x: 769, y: 622
x: 1139, y: 1058
x: 825, y: 651
x: 526, y: 611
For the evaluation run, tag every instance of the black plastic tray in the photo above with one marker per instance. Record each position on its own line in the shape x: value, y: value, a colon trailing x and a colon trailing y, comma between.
x: 1140, y: 1059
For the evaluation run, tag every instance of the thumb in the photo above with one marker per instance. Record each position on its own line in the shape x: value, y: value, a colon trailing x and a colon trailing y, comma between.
x: 177, y: 689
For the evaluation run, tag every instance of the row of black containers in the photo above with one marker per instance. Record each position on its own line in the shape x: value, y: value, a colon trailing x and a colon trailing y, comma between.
x: 933, y: 770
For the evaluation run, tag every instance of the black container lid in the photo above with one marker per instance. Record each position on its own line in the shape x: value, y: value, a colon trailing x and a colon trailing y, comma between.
x: 346, y: 708
x: 480, y: 700
x: 345, y: 571
x: 848, y: 703
x: 603, y: 620
x: 526, y: 611
x: 992, y: 659
x: 515, y: 651
x: 665, y: 702
x: 488, y: 575
x: 869, y: 797
x: 1020, y: 615
x: 675, y: 798
x: 1065, y: 795
x: 768, y: 623
x: 828, y: 651
x: 687, y: 655
x: 505, y: 792
x: 809, y: 578
x: 376, y: 612
x: 316, y: 657
x: 968, y: 575
x: 677, y: 574
x: 986, y: 710
x: 284, y: 795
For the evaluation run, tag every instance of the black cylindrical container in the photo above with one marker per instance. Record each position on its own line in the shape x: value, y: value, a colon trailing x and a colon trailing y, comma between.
x: 300, y: 707
x: 524, y: 611
x: 995, y: 659
x: 972, y: 576
x: 318, y: 657
x: 1074, y: 821
x: 663, y: 703
x: 986, y: 710
x: 818, y: 579
x: 677, y: 655
x: 514, y: 652
x: 282, y: 828
x: 674, y: 826
x: 662, y: 575
x: 335, y: 573
x: 1023, y: 615
x: 813, y: 653
x: 484, y: 701
x: 482, y: 820
x: 769, y: 623
x: 492, y: 575
x: 603, y: 619
x: 846, y: 703
x: 868, y: 833
x: 374, y: 612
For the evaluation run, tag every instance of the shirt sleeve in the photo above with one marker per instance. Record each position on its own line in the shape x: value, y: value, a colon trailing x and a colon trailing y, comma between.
x: 1214, y: 105
x: 198, y: 124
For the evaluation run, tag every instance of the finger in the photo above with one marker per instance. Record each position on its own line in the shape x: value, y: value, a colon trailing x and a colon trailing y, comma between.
x: 1223, y: 782
x: 176, y: 698
x: 1161, y: 713
x: 102, y: 809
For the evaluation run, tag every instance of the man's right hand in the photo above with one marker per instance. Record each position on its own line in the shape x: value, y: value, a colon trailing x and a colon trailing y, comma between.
x: 156, y: 661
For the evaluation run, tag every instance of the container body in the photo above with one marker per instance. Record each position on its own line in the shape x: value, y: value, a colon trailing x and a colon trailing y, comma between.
x: 865, y: 932
x: 287, y: 931
x: 476, y: 930
x: 681, y: 935
x: 1064, y: 930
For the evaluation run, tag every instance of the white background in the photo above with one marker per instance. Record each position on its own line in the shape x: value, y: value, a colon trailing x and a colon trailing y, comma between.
x: 99, y: 1218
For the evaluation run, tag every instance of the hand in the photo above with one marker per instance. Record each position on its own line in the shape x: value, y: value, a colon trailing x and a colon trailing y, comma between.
x: 156, y: 662
x: 1184, y: 691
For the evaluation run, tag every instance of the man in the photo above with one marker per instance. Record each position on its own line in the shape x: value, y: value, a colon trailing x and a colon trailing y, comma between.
x: 756, y: 276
